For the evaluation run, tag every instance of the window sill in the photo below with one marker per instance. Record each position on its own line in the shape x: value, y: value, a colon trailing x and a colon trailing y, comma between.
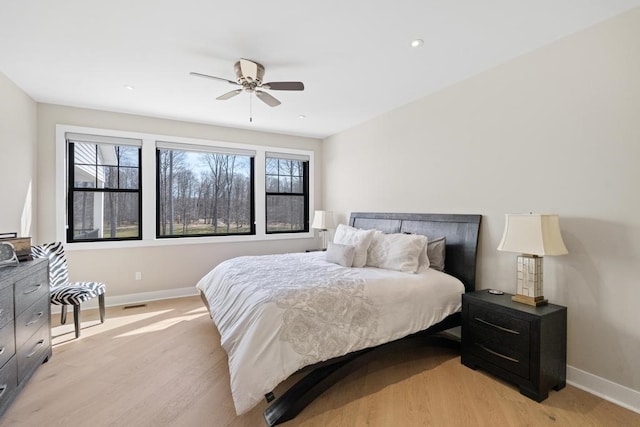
x: 183, y: 241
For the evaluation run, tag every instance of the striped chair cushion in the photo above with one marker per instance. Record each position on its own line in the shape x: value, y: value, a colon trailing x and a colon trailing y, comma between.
x: 76, y: 292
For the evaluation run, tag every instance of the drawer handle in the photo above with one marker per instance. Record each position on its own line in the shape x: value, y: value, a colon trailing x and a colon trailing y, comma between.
x: 2, y: 350
x: 35, y: 348
x: 38, y: 316
x: 35, y: 288
x: 3, y: 388
x: 502, y: 328
x: 495, y: 353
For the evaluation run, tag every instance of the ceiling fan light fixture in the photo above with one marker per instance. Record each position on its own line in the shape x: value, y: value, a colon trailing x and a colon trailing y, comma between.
x: 417, y: 43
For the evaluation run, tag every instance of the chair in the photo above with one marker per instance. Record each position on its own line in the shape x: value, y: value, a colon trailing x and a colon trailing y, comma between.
x: 64, y: 292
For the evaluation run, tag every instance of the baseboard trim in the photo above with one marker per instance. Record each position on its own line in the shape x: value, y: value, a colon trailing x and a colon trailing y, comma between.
x: 142, y: 297
x: 601, y: 387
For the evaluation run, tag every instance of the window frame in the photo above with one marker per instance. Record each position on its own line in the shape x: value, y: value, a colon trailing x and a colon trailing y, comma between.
x: 148, y: 178
x: 252, y: 220
x: 304, y: 194
x: 71, y: 190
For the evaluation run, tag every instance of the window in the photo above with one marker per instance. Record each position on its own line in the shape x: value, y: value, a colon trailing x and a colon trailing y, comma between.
x: 130, y: 189
x: 104, y: 189
x: 287, y: 193
x: 203, y: 193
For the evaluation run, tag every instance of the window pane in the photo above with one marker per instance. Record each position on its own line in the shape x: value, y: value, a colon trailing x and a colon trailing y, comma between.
x: 99, y: 215
x: 285, y: 213
x: 203, y: 193
x: 84, y: 176
x: 107, y: 212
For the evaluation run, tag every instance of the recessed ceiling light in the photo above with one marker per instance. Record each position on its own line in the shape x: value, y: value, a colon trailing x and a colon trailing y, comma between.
x: 302, y: 116
x: 417, y: 43
x: 129, y: 87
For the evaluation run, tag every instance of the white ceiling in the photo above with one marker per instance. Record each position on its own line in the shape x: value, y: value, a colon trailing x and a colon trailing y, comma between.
x: 353, y: 55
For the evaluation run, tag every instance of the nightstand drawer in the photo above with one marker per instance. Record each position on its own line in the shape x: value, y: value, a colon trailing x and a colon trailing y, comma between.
x: 499, y: 339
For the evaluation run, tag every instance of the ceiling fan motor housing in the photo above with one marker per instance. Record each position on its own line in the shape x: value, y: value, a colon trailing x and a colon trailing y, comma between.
x: 242, y: 79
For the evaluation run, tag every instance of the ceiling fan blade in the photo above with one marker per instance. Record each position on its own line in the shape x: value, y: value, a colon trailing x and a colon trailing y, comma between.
x: 267, y: 99
x: 229, y: 95
x: 249, y: 69
x: 212, y: 77
x: 284, y: 85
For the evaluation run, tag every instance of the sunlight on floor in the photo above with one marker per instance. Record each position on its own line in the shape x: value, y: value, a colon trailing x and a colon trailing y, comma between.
x: 64, y: 334
x: 161, y: 325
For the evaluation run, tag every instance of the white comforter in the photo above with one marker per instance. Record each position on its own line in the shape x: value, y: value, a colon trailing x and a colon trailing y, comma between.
x: 279, y: 313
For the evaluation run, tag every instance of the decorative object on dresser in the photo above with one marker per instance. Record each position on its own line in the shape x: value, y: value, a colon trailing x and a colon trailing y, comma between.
x: 22, y: 245
x: 25, y: 326
x: 323, y: 220
x: 64, y: 292
x: 8, y: 257
x: 534, y: 236
x: 524, y: 345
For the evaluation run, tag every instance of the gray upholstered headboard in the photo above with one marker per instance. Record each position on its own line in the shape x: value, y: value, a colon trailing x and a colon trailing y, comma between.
x: 461, y: 233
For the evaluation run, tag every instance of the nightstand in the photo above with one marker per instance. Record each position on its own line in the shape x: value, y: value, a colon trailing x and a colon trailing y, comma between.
x: 521, y: 344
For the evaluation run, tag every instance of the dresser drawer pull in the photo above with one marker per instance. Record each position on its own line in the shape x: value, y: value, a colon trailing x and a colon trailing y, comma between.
x: 2, y: 350
x: 495, y: 353
x: 35, y: 288
x: 3, y: 388
x: 35, y: 348
x: 502, y: 328
x: 38, y: 316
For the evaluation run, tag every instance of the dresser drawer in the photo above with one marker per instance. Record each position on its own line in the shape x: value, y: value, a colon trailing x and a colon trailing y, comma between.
x: 6, y: 305
x: 30, y: 355
x: 8, y: 382
x: 7, y: 343
x: 500, y: 339
x: 31, y: 320
x: 30, y: 289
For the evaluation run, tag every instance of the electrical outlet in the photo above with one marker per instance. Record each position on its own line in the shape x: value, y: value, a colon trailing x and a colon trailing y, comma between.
x: 138, y: 275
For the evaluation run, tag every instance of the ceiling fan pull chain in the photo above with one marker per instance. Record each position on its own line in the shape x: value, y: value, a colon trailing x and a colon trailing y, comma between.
x: 250, y: 108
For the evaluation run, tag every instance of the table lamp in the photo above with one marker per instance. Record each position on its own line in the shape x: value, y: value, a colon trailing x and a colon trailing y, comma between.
x: 323, y: 220
x: 533, y: 236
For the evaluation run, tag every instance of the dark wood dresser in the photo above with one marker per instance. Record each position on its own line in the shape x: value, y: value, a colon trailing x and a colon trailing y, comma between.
x: 521, y: 344
x: 25, y: 325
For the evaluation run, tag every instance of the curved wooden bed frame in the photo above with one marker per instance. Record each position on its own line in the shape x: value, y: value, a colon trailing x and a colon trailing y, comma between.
x: 461, y: 233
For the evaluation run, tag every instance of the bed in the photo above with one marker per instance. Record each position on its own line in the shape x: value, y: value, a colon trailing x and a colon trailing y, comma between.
x: 278, y: 314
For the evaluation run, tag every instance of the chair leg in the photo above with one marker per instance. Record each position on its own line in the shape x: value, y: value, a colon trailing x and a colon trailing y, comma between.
x: 101, y: 302
x: 76, y: 319
x: 63, y: 314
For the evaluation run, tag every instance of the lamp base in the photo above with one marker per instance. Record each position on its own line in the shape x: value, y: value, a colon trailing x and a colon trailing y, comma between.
x: 534, y: 301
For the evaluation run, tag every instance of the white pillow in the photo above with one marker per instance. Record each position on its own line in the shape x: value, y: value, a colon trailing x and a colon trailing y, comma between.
x: 400, y: 252
x: 340, y: 254
x: 359, y: 239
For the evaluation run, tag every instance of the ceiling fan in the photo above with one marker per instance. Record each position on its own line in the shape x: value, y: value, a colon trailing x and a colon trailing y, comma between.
x: 249, y: 76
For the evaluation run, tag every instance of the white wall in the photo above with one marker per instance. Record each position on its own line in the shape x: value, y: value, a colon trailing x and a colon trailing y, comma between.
x: 163, y: 268
x: 555, y: 131
x: 17, y: 160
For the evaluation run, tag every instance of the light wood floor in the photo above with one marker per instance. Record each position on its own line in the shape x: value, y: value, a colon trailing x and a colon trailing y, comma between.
x: 163, y: 365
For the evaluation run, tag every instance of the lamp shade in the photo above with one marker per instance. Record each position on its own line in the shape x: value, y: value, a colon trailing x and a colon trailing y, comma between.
x: 322, y: 220
x: 533, y: 234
